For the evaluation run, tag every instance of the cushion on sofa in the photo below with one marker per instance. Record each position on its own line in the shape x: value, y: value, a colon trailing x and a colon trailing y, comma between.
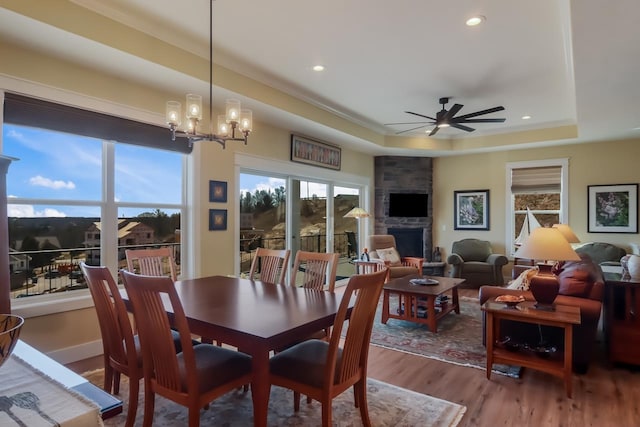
x: 576, y: 278
x: 391, y: 255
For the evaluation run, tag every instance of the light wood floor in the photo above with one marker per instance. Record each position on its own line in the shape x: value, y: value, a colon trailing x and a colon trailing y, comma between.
x: 605, y: 396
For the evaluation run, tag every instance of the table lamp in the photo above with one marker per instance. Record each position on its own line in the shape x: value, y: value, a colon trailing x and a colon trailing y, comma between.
x: 546, y: 244
x: 567, y: 232
x: 357, y: 213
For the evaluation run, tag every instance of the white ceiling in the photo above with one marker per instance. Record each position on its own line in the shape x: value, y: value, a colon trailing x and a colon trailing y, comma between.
x: 561, y: 62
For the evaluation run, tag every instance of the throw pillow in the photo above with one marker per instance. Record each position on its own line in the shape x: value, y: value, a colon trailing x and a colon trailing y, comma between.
x: 391, y: 255
x: 521, y: 283
x: 575, y: 282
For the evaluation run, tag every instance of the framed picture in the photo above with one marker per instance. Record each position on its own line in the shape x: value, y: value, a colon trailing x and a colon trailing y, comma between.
x: 613, y: 208
x: 471, y: 210
x: 217, y: 219
x: 310, y: 152
x: 218, y: 191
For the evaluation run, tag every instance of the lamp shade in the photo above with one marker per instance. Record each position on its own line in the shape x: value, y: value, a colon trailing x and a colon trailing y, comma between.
x: 567, y: 232
x: 357, y: 213
x: 547, y: 244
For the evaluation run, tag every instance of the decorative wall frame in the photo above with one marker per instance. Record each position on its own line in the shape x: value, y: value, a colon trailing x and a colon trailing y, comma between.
x: 217, y: 219
x: 315, y: 153
x: 218, y: 191
x: 613, y: 208
x: 471, y: 210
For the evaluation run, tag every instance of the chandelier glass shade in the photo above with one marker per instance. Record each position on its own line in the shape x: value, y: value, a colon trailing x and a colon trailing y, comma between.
x: 235, y: 125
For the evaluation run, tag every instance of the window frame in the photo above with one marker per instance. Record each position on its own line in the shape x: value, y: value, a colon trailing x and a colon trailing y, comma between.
x: 563, y: 163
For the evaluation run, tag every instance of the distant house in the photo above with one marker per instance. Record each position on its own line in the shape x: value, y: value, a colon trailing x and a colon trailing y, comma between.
x: 130, y: 233
x: 17, y: 262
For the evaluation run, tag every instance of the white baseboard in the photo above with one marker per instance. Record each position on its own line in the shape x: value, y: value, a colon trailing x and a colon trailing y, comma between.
x: 77, y: 352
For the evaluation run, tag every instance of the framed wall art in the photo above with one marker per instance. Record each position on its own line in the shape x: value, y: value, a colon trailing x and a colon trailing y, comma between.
x: 217, y: 219
x: 471, y: 210
x: 315, y: 153
x: 613, y: 208
x: 218, y: 191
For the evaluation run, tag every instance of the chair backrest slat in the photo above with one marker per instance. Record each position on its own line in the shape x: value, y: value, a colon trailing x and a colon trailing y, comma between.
x: 152, y: 262
x: 271, y: 264
x: 317, y: 270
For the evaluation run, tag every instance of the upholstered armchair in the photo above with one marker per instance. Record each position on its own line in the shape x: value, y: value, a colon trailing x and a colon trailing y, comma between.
x: 383, y: 246
x: 604, y: 254
x: 474, y: 261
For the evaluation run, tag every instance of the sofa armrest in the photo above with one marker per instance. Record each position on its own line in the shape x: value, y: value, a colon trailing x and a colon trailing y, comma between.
x: 497, y: 259
x: 454, y: 259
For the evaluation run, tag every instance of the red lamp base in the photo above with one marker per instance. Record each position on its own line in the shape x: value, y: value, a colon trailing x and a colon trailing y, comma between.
x: 544, y: 286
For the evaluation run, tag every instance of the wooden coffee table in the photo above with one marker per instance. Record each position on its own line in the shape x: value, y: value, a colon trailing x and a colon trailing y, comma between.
x: 563, y: 316
x: 417, y: 303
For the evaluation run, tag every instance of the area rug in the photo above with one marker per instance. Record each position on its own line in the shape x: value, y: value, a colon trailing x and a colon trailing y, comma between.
x: 459, y: 338
x: 388, y: 406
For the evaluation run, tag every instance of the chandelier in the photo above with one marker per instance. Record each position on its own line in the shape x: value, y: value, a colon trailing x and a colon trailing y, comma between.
x: 234, y: 120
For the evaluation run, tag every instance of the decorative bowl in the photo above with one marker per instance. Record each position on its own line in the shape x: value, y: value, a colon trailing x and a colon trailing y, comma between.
x: 10, y: 326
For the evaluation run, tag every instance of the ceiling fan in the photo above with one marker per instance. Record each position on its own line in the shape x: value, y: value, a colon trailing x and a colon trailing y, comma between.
x: 448, y: 118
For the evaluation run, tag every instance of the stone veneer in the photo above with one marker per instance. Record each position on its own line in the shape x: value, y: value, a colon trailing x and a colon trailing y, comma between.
x: 397, y: 174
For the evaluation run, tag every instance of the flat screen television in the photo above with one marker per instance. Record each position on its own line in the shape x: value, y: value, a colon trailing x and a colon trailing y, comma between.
x: 408, y: 204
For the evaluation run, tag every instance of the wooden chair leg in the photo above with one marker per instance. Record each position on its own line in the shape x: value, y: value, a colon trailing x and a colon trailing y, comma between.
x: 134, y: 388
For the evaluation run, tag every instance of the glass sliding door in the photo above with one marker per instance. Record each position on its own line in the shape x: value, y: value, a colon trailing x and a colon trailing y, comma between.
x: 309, y: 216
x: 346, y: 231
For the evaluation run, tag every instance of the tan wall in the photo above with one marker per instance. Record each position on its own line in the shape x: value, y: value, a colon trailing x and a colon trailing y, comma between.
x: 603, y: 163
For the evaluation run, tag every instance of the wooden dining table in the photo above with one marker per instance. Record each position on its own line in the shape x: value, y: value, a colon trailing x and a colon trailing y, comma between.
x: 255, y: 317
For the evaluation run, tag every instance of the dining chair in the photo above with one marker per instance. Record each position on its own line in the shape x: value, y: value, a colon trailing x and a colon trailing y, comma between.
x: 152, y: 262
x: 323, y: 370
x: 120, y: 346
x: 192, y: 378
x: 315, y: 270
x: 270, y: 265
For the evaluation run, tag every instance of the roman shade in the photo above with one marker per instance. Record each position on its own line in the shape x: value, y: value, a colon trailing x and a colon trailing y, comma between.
x: 538, y: 179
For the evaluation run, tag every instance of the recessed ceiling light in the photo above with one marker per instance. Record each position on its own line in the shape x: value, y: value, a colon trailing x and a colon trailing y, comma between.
x: 475, y: 20
x: 318, y: 68
x: 526, y: 117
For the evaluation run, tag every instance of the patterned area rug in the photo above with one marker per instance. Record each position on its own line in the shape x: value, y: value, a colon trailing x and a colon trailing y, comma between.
x: 388, y: 406
x: 459, y: 338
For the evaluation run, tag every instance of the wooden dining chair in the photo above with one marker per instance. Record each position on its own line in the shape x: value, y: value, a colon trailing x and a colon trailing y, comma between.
x: 270, y: 265
x: 120, y: 346
x: 323, y: 370
x: 152, y: 262
x: 192, y: 378
x: 315, y: 270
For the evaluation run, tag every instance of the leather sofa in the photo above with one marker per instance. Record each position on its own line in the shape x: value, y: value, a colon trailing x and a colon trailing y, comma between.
x: 587, y: 280
x: 474, y: 261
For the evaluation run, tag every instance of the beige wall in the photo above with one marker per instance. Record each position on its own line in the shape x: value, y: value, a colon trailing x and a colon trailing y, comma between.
x: 602, y: 163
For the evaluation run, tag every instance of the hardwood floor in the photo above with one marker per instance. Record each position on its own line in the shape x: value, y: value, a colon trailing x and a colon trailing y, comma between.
x: 605, y: 396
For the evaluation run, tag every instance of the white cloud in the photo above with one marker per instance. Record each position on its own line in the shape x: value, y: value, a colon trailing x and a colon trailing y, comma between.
x: 27, y: 211
x: 41, y: 181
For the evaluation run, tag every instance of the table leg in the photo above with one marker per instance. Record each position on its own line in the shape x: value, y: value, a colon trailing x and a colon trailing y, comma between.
x: 385, y: 306
x: 456, y: 301
x: 260, y: 386
x: 431, y: 313
x: 489, y: 343
x: 568, y: 359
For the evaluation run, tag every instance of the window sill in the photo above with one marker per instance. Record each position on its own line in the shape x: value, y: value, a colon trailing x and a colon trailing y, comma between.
x: 43, y: 305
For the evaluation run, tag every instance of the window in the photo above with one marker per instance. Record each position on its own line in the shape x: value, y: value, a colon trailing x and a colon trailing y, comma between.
x: 541, y: 187
x: 75, y: 197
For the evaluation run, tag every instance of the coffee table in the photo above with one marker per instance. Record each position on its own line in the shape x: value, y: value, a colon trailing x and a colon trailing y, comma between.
x: 417, y: 303
x: 563, y: 316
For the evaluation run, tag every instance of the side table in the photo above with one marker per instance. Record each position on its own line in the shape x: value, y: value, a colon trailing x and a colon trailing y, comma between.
x: 562, y: 317
x: 433, y: 268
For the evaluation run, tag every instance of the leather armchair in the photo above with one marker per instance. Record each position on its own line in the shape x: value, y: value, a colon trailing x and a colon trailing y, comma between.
x: 602, y: 253
x: 406, y: 266
x: 474, y: 261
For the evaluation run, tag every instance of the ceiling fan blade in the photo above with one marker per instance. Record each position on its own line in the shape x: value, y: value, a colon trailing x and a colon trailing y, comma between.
x: 480, y: 113
x: 409, y: 130
x: 462, y: 127
x: 421, y: 115
x: 448, y: 116
x: 405, y: 123
x: 479, y: 120
x: 434, y: 131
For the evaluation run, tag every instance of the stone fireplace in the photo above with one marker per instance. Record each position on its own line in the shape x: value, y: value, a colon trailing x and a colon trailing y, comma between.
x: 396, y: 174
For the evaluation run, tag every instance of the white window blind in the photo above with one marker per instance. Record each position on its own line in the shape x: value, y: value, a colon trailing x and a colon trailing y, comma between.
x: 546, y: 179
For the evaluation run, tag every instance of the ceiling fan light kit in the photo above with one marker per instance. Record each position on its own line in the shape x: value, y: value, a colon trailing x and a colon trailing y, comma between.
x: 447, y: 118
